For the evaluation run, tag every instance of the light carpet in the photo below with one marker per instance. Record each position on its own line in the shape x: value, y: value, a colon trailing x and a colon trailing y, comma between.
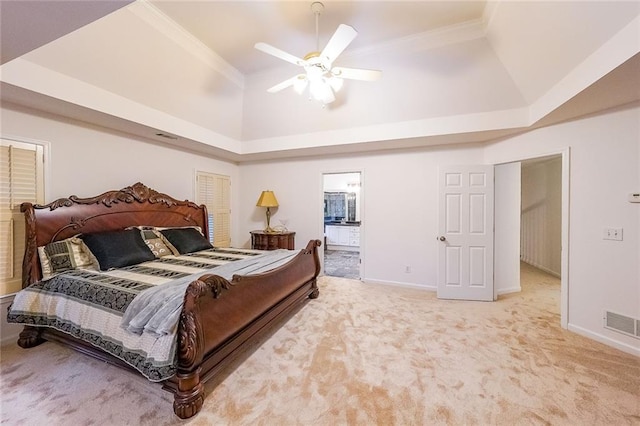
x: 363, y: 354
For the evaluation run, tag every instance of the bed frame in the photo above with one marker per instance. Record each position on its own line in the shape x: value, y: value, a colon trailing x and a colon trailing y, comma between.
x: 205, y: 349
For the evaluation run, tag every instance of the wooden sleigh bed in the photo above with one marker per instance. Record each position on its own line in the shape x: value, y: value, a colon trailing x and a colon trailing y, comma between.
x: 220, y: 320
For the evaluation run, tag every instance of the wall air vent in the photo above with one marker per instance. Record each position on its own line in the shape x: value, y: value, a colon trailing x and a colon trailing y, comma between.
x: 622, y: 324
x: 166, y: 136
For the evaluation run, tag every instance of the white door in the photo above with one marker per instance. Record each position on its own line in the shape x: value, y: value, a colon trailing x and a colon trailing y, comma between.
x: 465, y: 254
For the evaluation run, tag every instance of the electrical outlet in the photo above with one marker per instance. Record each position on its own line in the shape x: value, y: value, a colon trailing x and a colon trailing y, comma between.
x: 407, y: 269
x: 614, y: 234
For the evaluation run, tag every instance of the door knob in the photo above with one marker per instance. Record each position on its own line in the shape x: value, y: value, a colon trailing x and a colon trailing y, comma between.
x: 442, y: 238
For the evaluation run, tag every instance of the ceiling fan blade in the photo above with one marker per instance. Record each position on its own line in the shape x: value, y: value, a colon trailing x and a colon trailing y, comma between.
x: 356, y: 74
x: 338, y: 42
x: 289, y: 82
x: 274, y: 51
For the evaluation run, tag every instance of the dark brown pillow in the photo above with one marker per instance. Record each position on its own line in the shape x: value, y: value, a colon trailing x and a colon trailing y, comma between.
x: 186, y: 240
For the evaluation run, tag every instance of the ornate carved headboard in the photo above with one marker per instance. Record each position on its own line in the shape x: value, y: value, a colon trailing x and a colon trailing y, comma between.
x: 134, y: 205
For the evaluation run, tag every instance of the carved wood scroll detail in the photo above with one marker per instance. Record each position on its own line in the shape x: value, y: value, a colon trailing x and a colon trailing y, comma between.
x: 311, y: 249
x: 190, y: 338
x: 138, y: 192
x: 190, y: 393
x: 215, y: 283
x: 30, y: 255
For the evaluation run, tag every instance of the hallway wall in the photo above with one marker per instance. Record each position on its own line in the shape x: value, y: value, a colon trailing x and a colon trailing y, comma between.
x: 540, y: 232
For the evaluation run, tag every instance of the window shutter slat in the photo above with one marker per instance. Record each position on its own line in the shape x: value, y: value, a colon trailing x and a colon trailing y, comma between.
x: 214, y: 192
x: 22, y: 181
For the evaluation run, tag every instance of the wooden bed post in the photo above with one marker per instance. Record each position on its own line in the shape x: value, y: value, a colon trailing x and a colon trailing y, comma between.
x: 189, y: 394
x: 30, y: 337
x: 311, y: 249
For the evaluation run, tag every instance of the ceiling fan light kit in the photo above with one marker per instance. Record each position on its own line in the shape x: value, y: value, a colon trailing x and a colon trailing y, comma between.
x: 323, y: 80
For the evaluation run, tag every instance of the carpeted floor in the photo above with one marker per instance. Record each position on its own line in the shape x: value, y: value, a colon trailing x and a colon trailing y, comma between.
x: 363, y: 354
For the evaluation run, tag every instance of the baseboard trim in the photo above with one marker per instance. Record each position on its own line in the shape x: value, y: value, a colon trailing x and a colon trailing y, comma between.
x: 503, y: 291
x: 400, y: 284
x: 542, y: 268
x: 432, y: 287
x: 633, y: 350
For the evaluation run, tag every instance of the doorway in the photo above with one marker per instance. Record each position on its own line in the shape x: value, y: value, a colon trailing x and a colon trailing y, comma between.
x: 541, y: 227
x: 342, y: 223
x: 541, y: 217
x: 541, y: 236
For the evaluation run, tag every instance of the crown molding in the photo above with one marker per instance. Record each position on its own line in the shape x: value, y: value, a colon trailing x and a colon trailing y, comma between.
x: 489, y: 12
x: 452, y: 34
x: 171, y: 29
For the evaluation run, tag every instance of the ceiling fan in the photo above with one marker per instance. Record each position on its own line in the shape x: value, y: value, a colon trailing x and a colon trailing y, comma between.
x: 320, y: 75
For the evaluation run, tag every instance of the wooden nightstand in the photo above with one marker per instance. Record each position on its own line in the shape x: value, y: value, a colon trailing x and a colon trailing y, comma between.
x: 261, y: 240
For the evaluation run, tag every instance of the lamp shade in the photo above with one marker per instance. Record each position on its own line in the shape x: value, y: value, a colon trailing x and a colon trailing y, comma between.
x: 267, y: 199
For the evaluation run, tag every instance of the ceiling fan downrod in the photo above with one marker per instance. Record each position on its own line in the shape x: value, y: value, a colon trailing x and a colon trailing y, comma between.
x: 317, y: 8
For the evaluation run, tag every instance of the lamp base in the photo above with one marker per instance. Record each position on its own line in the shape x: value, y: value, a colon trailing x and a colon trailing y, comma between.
x: 269, y: 229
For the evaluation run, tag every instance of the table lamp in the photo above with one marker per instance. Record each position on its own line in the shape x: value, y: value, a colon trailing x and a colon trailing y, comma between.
x: 267, y: 199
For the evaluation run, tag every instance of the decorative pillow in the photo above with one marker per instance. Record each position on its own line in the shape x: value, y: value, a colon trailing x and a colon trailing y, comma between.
x: 118, y: 248
x: 156, y: 243
x: 162, y: 228
x: 186, y: 240
x: 64, y: 255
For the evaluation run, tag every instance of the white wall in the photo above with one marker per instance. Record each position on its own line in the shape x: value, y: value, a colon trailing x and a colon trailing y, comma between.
x: 8, y: 332
x: 87, y: 160
x: 399, y: 206
x: 507, y: 202
x: 542, y: 214
x: 603, y: 275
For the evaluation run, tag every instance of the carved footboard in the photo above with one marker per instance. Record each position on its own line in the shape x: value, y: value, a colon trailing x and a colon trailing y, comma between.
x: 206, y: 348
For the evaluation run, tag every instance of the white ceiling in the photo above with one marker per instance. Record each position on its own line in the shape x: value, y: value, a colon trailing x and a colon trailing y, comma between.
x: 232, y: 28
x: 453, y: 72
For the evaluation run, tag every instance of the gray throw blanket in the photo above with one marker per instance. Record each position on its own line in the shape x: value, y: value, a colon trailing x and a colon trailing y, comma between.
x: 157, y: 309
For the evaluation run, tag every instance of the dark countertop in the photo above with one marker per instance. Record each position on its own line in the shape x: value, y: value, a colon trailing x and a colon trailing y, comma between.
x: 339, y: 223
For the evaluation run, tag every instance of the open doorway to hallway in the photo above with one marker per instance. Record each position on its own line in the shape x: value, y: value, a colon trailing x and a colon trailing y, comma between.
x: 532, y: 222
x: 541, y: 213
x: 342, y: 224
x: 541, y: 224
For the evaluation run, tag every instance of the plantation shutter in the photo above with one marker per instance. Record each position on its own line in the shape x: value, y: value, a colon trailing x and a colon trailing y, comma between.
x: 214, y: 191
x: 21, y: 180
